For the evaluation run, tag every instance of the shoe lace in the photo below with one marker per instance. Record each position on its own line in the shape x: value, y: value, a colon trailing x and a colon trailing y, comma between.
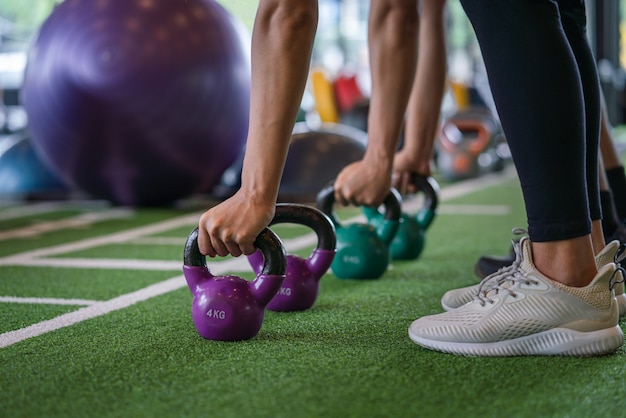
x: 505, y: 284
x: 620, y: 256
x: 505, y: 277
x: 615, y: 280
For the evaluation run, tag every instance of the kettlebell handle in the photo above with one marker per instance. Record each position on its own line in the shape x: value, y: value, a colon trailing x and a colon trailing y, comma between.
x: 310, y: 217
x: 429, y: 186
x: 392, y: 203
x: 325, y: 201
x: 274, y: 254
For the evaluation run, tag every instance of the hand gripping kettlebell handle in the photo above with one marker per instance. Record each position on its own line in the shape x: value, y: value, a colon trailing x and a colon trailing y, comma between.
x: 391, y: 216
x: 270, y: 245
x: 392, y: 203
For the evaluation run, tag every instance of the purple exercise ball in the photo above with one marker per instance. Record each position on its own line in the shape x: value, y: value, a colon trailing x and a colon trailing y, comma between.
x: 141, y: 102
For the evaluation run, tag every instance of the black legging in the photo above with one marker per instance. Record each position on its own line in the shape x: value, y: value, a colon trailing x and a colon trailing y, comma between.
x: 545, y: 85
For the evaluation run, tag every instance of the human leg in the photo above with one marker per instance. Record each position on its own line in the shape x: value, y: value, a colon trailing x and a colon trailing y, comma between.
x: 557, y: 252
x: 573, y: 23
x: 456, y: 298
x: 537, y: 87
x: 612, y: 218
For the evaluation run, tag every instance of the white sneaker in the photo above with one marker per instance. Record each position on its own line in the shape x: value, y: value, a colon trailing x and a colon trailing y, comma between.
x: 526, y: 313
x: 455, y: 298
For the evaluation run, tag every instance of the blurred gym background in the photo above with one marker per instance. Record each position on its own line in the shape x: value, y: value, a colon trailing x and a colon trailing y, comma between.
x: 100, y: 100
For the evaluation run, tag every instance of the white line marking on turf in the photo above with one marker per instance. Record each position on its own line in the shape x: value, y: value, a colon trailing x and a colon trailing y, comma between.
x: 295, y: 244
x: 174, y: 283
x: 290, y: 245
x: 468, y: 186
x: 464, y: 187
x: 115, y: 238
x: 80, y: 221
x: 158, y: 241
x: 21, y: 211
x: 48, y: 301
x: 300, y: 242
x: 100, y: 263
x: 488, y: 210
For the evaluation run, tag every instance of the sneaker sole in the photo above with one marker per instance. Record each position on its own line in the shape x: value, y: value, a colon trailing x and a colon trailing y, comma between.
x: 554, y: 342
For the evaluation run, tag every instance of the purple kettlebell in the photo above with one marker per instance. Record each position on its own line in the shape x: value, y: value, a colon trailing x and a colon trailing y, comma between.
x: 301, y: 286
x: 231, y: 308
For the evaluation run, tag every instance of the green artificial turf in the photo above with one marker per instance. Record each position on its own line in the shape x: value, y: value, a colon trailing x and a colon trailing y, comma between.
x: 76, y: 283
x: 75, y: 233
x: 348, y: 356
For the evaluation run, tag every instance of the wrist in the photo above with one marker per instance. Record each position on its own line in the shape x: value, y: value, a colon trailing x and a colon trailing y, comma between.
x: 379, y: 158
x: 258, y: 191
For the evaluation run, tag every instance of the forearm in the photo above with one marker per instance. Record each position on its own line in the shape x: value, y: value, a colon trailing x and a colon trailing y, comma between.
x: 424, y: 107
x: 392, y: 36
x: 281, y: 51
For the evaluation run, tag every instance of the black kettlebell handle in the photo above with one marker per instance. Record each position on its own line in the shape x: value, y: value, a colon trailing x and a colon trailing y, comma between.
x: 392, y: 203
x: 310, y: 217
x: 267, y: 241
x: 430, y: 188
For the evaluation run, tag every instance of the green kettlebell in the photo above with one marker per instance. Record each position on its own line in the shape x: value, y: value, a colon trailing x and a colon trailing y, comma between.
x: 362, y: 249
x: 410, y: 239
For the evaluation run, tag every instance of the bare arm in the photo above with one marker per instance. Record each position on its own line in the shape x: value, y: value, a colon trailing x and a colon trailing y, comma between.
x: 423, y: 112
x: 393, y: 29
x: 282, y: 41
